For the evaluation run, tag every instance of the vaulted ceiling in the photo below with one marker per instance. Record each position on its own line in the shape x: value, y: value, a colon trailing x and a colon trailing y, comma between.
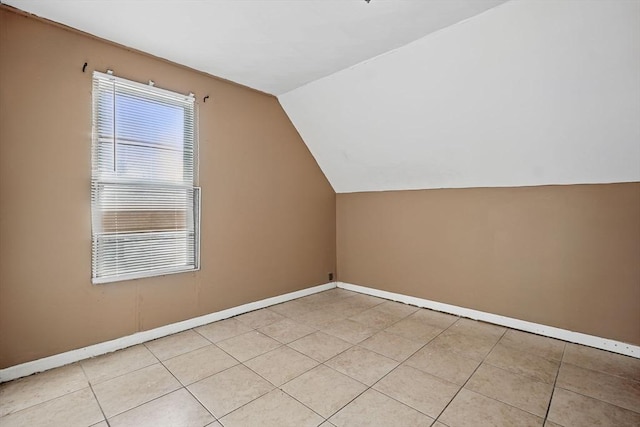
x: 413, y: 94
x: 270, y: 45
x: 527, y: 93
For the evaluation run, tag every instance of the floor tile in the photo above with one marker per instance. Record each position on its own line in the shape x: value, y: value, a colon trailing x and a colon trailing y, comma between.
x: 295, y: 374
x: 365, y: 301
x: 349, y: 330
x: 376, y: 319
x: 447, y: 365
x: 343, y: 310
x: 274, y: 409
x: 111, y: 365
x: 291, y: 309
x: 78, y: 408
x: 372, y: 409
x: 475, y: 347
x: 527, y: 364
x: 341, y: 293
x: 349, y: 306
x: 222, y: 330
x: 548, y: 348
x: 249, y: 345
x: 176, y: 344
x: 318, y: 318
x: 603, y: 361
x: 435, y: 318
x: 362, y: 365
x: 287, y: 330
x: 179, y: 408
x: 476, y: 327
x: 281, y: 365
x: 470, y: 409
x: 424, y: 392
x: 34, y: 389
x: 516, y: 390
x: 414, y: 329
x: 320, y: 346
x: 198, y: 364
x: 259, y: 318
x: 128, y: 391
x: 324, y: 390
x: 396, y: 309
x: 319, y: 298
x: 575, y: 410
x: 611, y: 389
x: 390, y: 345
x: 229, y: 390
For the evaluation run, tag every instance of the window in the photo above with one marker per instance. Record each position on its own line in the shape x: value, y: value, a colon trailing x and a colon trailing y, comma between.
x: 145, y: 208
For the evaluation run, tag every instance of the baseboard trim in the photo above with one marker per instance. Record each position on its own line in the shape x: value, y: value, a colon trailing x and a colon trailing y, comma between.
x: 61, y: 359
x: 522, y: 325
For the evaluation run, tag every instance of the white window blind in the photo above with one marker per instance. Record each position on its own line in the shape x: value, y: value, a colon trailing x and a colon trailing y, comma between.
x: 145, y: 207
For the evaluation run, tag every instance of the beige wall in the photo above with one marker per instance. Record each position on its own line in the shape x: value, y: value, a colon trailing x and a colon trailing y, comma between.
x: 268, y: 213
x: 562, y: 256
x: 565, y: 256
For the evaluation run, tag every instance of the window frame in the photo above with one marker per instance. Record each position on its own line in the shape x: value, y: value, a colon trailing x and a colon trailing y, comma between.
x: 100, y: 180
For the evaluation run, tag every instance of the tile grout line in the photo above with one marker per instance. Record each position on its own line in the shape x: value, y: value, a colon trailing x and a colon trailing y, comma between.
x: 392, y: 370
x: 186, y: 389
x: 588, y: 396
x: 343, y: 406
x: 399, y: 363
x: 470, y: 376
x: 94, y: 396
x: 325, y: 419
x: 247, y: 367
x: 158, y: 361
x: 352, y: 345
x: 524, y: 376
x: 239, y: 363
x: 262, y: 395
x: 602, y: 372
x: 121, y: 375
x: 367, y: 387
x: 555, y: 381
x: 47, y: 400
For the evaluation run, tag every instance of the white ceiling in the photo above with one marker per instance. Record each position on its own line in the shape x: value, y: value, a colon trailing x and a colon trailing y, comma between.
x: 528, y: 93
x: 270, y: 45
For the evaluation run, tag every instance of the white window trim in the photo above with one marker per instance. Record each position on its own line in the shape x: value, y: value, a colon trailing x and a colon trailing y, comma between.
x: 97, y: 180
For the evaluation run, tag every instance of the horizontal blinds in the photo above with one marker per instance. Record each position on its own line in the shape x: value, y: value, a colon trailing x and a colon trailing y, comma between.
x: 144, y: 205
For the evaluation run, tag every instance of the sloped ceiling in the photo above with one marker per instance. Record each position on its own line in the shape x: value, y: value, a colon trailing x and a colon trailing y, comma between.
x: 270, y: 45
x: 527, y: 93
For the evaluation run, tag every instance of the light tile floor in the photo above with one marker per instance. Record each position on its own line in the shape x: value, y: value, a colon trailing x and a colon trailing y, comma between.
x: 336, y: 358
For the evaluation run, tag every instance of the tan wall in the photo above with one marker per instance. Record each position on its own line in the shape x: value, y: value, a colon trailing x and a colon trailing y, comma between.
x: 565, y: 256
x: 268, y: 213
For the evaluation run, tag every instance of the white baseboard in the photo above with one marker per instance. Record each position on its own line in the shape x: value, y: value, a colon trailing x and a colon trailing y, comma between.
x: 57, y: 360
x: 61, y: 359
x: 549, y: 331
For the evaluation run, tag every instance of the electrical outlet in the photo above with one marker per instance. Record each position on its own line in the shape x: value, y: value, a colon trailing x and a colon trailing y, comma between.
x: 330, y: 277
